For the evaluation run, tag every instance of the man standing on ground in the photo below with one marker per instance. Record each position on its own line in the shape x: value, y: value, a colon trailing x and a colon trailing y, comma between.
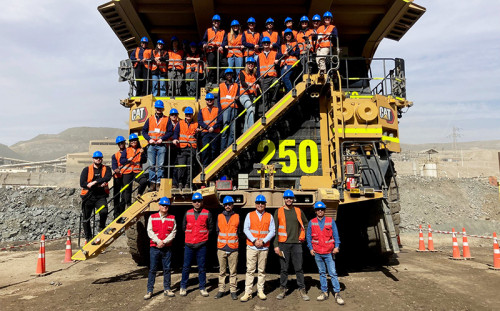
x: 291, y: 224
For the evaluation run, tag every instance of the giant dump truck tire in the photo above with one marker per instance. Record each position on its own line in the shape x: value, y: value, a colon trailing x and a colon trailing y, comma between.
x: 138, y: 241
x: 394, y: 205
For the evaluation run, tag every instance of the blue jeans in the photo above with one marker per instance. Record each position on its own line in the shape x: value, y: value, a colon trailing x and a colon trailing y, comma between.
x: 212, y: 152
x: 156, y: 156
x: 163, y: 85
x: 246, y: 101
x: 325, y: 262
x: 234, y: 61
x: 287, y: 77
x: 156, y: 254
x: 200, y: 254
x: 228, y: 136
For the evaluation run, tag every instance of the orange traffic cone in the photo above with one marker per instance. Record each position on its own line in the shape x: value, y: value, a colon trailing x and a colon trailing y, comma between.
x: 430, y: 241
x: 456, y: 250
x: 421, y: 244
x: 496, y: 253
x: 69, y: 250
x: 465, y: 246
x: 40, y: 266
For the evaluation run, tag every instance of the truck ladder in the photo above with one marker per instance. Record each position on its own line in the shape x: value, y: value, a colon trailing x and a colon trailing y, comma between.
x: 337, y: 126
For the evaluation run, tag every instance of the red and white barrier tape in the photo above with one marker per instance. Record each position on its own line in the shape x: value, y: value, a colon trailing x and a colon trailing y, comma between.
x: 456, y: 232
x: 32, y: 243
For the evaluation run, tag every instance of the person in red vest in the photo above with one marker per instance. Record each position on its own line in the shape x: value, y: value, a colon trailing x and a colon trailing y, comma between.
x: 324, y: 44
x: 185, y: 138
x: 228, y: 230
x: 210, y: 121
x: 140, y: 62
x: 161, y: 231
x: 251, y: 39
x: 158, y: 63
x: 291, y: 223
x: 212, y: 45
x: 229, y: 92
x: 117, y: 176
x: 175, y: 68
x: 248, y: 90
x: 194, y: 69
x: 266, y: 67
x: 289, y: 25
x: 197, y: 225
x: 94, y: 182
x: 131, y: 160
x: 291, y: 53
x: 156, y: 131
x: 323, y: 241
x: 259, y: 229
x: 234, y: 45
x: 271, y: 34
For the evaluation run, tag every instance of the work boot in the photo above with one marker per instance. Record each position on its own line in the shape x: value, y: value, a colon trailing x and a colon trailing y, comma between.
x: 322, y: 297
x: 339, y: 299
x: 168, y: 293
x: 183, y: 292
x: 245, y: 297
x: 303, y: 295
x: 261, y: 295
x: 148, y: 296
x: 219, y: 295
x: 234, y: 296
x: 281, y: 294
x: 204, y: 292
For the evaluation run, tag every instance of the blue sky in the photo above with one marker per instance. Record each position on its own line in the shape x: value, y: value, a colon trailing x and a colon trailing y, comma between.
x: 59, y: 70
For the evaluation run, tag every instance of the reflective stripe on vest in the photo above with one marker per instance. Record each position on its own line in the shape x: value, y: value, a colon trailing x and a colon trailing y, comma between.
x: 234, y: 42
x: 161, y: 228
x: 134, y: 165
x: 324, y: 36
x: 249, y: 78
x: 302, y: 36
x: 157, y: 129
x: 137, y: 54
x: 210, y: 118
x: 214, y: 39
x: 191, y: 65
x: 290, y: 59
x: 186, y: 134
x: 282, y: 235
x: 117, y: 156
x: 322, y: 240
x: 90, y: 176
x: 227, y: 96
x: 228, y: 232
x: 266, y: 62
x: 160, y: 64
x: 175, y: 60
x: 259, y: 227
x: 196, y: 229
x: 251, y: 39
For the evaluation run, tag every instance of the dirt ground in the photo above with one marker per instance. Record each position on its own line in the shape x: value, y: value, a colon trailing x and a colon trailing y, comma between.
x: 421, y: 281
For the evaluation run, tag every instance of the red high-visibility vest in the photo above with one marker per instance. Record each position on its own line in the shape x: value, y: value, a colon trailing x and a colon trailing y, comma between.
x: 266, y: 62
x: 162, y: 229
x: 196, y: 229
x: 259, y: 227
x: 186, y: 134
x: 161, y: 65
x: 175, y: 60
x: 228, y: 232
x: 252, y: 39
x: 294, y: 34
x: 210, y: 118
x: 215, y: 39
x: 322, y: 240
x: 324, y: 36
x: 90, y: 176
x: 290, y: 59
x: 137, y: 50
x: 227, y: 96
x: 234, y: 42
x: 302, y: 36
x: 117, y: 156
x: 282, y: 235
x: 249, y: 78
x: 192, y: 65
x: 273, y: 36
x: 157, y: 129
x: 134, y: 165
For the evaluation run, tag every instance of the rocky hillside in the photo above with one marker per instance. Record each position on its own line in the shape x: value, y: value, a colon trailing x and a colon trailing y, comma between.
x: 5, y: 151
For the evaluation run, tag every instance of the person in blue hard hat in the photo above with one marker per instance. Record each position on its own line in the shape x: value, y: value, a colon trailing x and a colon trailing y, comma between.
x: 266, y: 69
x: 197, y: 225
x: 324, y: 45
x: 291, y: 223
x: 132, y: 159
x: 304, y: 36
x: 212, y: 46
x: 259, y: 229
x: 139, y: 58
x: 172, y: 149
x: 234, y: 46
x: 194, y: 69
x: 229, y: 92
x: 251, y: 39
x: 323, y: 241
x: 289, y: 55
x: 94, y: 183
x: 248, y: 90
x: 116, y: 166
x: 176, y: 68
x: 210, y: 121
x: 228, y: 230
x: 289, y: 25
x: 158, y: 61
x: 161, y: 230
x: 271, y: 34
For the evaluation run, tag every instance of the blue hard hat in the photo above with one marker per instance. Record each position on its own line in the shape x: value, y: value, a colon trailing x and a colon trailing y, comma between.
x: 328, y: 14
x: 159, y: 104
x: 133, y: 136
x: 193, y: 44
x: 304, y: 19
x: 288, y: 194
x: 288, y: 31
x: 197, y: 196
x: 188, y: 110
x: 266, y: 39
x: 119, y: 139
x: 144, y: 39
x: 250, y: 59
x: 269, y: 20
x: 260, y: 198
x: 251, y: 20
x: 173, y: 111
x: 319, y: 205
x: 174, y: 38
x: 316, y: 17
x: 209, y: 96
x: 216, y: 17
x: 223, y: 177
x: 164, y: 201
x: 288, y: 19
x: 160, y: 42
x: 228, y: 199
x: 228, y: 70
x: 235, y: 23
x: 97, y: 154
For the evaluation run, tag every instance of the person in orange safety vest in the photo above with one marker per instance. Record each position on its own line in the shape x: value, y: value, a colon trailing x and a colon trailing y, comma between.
x: 326, y: 33
x: 158, y: 60
x: 233, y: 42
x: 176, y: 68
x: 229, y: 92
x: 212, y: 46
x: 117, y: 176
x: 131, y: 160
x: 140, y: 60
x: 210, y: 121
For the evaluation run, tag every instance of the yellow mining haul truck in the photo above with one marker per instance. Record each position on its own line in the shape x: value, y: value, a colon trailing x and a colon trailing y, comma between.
x: 330, y: 138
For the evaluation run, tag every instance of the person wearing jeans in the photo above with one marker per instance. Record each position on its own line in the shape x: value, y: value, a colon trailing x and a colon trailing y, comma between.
x: 234, y: 45
x: 228, y: 101
x: 323, y: 241
x: 248, y: 78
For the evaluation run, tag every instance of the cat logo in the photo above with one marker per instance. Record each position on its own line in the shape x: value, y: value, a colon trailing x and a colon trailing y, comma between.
x: 139, y: 114
x: 386, y: 114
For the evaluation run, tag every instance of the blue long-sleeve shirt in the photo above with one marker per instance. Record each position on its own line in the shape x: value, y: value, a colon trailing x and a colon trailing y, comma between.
x: 168, y: 133
x: 321, y: 226
x: 269, y: 236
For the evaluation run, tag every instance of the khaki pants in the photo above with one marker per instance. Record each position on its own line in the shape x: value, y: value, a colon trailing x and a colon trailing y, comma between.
x: 255, y: 258
x: 226, y: 260
x: 322, y: 60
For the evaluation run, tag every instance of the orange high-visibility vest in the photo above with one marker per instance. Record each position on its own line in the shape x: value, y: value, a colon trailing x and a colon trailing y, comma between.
x: 273, y: 36
x: 186, y: 134
x: 160, y: 64
x: 90, y: 176
x: 252, y: 38
x: 302, y: 36
x: 134, y: 165
x: 196, y: 228
x: 157, y: 129
x: 162, y: 229
x: 259, y: 227
x: 266, y: 62
x: 234, y: 42
x: 290, y: 59
x: 144, y: 55
x: 322, y: 240
x: 117, y: 156
x: 192, y: 65
x: 282, y: 236
x: 210, y: 118
x: 228, y: 232
x: 294, y: 34
x: 175, y: 60
x: 249, y: 78
x: 215, y: 39
x: 324, y: 36
x: 227, y: 96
